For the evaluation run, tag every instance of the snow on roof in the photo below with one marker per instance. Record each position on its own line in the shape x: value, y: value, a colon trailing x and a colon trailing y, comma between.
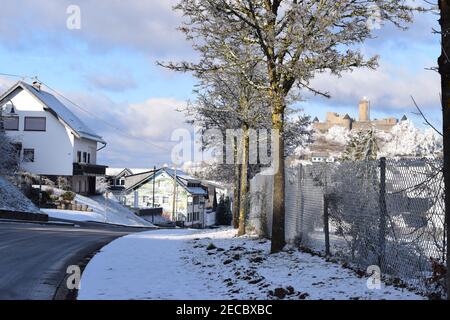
x: 182, y: 178
x: 134, y: 171
x: 113, y: 171
x: 197, y: 191
x: 180, y: 174
x: 60, y: 110
x: 139, y: 170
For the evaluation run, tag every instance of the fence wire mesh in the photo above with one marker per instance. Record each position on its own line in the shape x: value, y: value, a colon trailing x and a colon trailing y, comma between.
x: 388, y: 213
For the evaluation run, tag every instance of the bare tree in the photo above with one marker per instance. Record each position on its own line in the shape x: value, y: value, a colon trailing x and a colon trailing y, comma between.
x: 444, y: 70
x: 227, y: 102
x: 293, y: 41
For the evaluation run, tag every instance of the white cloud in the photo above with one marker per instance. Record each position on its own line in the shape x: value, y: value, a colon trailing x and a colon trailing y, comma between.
x: 146, y: 26
x: 113, y: 83
x: 138, y: 134
x: 388, y: 88
x: 155, y: 118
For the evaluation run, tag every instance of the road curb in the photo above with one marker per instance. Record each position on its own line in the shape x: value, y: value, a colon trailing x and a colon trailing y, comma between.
x: 49, y: 223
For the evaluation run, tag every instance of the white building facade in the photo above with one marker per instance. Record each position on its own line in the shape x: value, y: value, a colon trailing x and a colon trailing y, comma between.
x: 52, y: 141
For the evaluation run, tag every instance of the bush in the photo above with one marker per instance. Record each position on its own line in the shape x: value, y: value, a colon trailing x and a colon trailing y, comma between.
x: 63, y: 183
x: 223, y: 213
x: 68, y: 196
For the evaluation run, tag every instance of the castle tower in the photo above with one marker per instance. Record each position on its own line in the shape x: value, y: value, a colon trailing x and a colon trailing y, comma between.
x: 364, y: 110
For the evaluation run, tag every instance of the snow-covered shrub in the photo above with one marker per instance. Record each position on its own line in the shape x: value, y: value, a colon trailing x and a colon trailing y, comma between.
x: 407, y: 140
x: 404, y: 140
x: 63, y: 184
x: 338, y: 134
x: 9, y: 155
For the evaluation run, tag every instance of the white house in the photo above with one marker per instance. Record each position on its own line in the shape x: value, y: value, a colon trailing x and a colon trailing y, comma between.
x: 181, y: 197
x: 116, y: 177
x: 52, y: 141
x: 321, y: 158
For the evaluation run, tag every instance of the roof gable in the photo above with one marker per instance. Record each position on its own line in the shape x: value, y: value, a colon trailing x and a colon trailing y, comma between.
x: 183, y: 180
x: 55, y: 107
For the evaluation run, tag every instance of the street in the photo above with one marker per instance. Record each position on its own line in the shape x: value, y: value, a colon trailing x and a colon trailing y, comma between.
x: 34, y: 257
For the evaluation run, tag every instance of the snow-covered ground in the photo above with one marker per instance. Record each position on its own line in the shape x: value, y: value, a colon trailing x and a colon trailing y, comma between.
x: 214, y: 264
x: 13, y: 199
x: 104, y: 210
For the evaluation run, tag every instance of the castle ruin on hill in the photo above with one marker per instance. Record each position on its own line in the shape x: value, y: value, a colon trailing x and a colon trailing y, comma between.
x: 363, y: 123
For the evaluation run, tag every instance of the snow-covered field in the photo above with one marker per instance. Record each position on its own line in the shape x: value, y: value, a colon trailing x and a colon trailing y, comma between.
x: 104, y: 210
x: 214, y: 264
x: 13, y: 199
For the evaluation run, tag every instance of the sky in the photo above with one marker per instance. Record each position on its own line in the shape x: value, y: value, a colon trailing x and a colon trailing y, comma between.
x: 108, y: 68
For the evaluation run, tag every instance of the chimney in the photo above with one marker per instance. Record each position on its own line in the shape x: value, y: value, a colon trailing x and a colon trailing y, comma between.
x: 364, y: 110
x: 37, y: 85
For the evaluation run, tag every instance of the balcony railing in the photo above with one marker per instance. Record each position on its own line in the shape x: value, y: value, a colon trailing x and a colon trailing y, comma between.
x: 85, y: 169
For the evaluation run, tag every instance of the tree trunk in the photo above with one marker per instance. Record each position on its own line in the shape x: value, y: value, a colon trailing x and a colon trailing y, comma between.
x: 244, y: 181
x: 278, y: 236
x: 444, y: 70
x: 236, y: 191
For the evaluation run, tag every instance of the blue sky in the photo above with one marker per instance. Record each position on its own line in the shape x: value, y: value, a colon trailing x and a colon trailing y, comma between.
x: 109, y: 68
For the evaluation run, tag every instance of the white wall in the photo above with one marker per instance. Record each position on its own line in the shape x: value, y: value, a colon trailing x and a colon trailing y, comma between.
x: 53, y: 148
x: 210, y: 218
x: 85, y: 145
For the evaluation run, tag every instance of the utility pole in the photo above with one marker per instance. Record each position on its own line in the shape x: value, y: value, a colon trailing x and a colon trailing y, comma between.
x: 444, y: 70
x: 154, y: 178
x: 174, y: 195
x: 40, y: 191
x: 106, y: 206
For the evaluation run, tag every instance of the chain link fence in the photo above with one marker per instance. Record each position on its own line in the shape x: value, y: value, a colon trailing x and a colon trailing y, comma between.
x: 388, y: 213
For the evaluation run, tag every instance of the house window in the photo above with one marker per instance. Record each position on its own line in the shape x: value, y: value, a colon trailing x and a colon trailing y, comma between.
x: 35, y: 124
x: 85, y: 157
x: 79, y: 156
x: 122, y: 182
x: 28, y: 155
x: 88, y: 158
x: 11, y: 123
x: 165, y: 200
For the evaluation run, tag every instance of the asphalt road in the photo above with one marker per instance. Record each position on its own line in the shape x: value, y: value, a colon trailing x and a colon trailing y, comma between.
x: 34, y: 257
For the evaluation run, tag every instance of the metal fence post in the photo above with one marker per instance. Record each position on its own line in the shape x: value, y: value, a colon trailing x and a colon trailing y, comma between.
x: 302, y: 203
x: 383, y: 214
x: 326, y: 226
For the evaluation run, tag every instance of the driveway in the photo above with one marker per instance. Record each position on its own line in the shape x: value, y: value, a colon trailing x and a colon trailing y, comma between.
x: 34, y: 257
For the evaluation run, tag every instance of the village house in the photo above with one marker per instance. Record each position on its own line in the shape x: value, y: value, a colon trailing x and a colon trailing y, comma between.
x: 51, y: 140
x: 115, y: 178
x: 183, y: 199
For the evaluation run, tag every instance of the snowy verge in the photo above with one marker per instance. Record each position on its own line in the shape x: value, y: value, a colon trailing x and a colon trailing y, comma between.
x: 206, y: 265
x: 12, y: 199
x: 105, y: 210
